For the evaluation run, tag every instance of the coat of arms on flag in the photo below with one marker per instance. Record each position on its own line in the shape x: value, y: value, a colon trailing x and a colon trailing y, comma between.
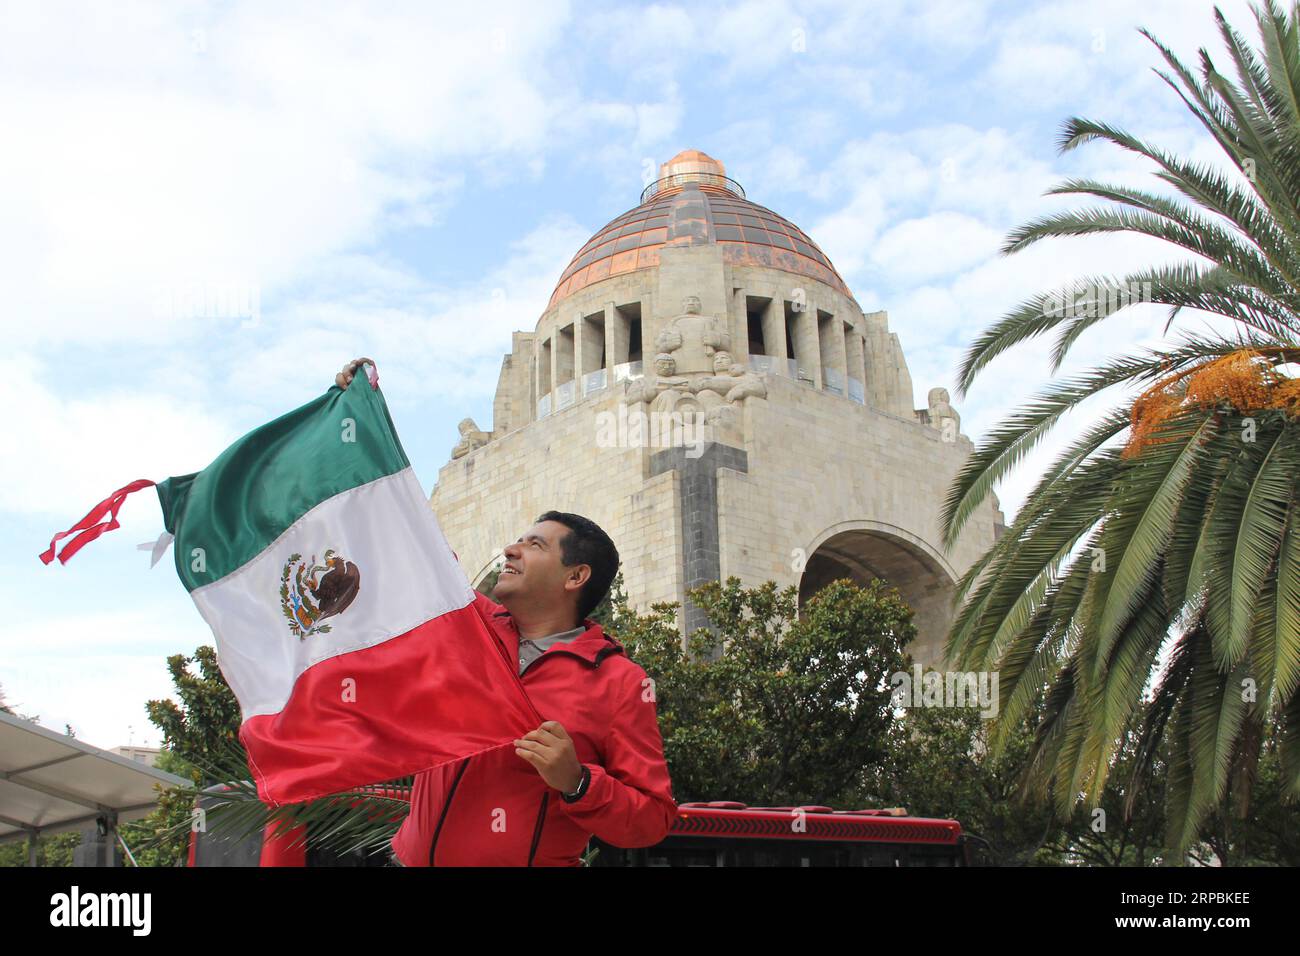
x: 343, y: 623
x: 310, y: 592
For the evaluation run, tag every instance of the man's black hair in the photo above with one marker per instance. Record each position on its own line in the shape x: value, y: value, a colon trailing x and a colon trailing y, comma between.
x: 586, y: 543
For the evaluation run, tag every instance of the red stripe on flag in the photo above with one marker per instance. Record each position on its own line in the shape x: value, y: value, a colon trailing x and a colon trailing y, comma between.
x: 109, y: 506
x: 438, y: 693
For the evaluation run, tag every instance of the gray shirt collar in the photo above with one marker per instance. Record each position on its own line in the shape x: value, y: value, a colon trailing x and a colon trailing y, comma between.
x: 530, y: 650
x: 563, y: 637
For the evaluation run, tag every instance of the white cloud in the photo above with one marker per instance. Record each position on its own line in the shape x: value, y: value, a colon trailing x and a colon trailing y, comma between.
x: 1086, y: 56
x: 938, y: 244
x: 69, y: 449
x: 95, y: 670
x: 429, y: 342
x: 288, y: 136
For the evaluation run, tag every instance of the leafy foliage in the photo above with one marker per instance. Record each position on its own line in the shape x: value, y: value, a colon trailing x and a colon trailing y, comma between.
x: 1171, y: 563
x: 795, y: 710
x: 943, y: 769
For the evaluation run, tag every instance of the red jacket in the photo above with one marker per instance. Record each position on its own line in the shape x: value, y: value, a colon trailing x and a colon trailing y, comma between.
x: 494, y: 808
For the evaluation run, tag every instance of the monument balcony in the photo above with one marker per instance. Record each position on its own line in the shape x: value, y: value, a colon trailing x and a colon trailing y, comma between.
x: 834, y: 381
x: 567, y: 394
x: 770, y: 364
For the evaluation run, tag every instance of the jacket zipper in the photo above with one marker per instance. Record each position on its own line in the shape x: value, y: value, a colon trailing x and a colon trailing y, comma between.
x: 546, y: 796
x: 541, y: 813
x: 433, y: 846
x: 537, y: 829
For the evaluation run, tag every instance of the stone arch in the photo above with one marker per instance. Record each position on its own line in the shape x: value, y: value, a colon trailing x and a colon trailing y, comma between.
x: 864, y: 550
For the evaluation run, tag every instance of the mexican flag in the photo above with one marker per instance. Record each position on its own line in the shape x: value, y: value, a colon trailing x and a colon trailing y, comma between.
x: 343, y: 623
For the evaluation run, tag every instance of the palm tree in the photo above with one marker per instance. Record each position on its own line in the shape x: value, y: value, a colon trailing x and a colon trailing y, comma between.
x: 1154, y: 570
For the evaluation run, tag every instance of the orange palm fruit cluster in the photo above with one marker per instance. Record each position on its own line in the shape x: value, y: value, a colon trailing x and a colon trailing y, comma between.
x: 1243, y: 380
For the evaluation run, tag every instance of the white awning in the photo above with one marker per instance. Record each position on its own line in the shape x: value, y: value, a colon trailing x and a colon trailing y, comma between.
x: 50, y: 782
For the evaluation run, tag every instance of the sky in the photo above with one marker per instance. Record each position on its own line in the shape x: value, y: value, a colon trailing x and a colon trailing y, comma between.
x: 207, y: 208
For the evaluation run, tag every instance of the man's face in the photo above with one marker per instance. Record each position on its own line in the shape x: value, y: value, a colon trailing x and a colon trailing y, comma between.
x: 534, y: 574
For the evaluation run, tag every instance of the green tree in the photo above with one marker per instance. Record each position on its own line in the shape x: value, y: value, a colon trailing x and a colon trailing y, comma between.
x: 616, y: 597
x: 796, y: 710
x: 1170, y: 558
x: 200, y: 742
x: 944, y: 769
x: 204, y: 725
x: 52, y: 850
x: 1257, y: 825
x: 162, y: 837
x: 1126, y: 827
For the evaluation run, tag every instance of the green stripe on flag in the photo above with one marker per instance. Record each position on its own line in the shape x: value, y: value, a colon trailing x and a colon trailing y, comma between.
x: 228, y: 513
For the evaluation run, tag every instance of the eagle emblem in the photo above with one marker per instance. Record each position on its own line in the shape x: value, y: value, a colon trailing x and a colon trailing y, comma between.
x: 311, y: 592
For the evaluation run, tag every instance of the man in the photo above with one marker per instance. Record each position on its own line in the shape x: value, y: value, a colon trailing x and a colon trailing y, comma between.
x: 595, y: 766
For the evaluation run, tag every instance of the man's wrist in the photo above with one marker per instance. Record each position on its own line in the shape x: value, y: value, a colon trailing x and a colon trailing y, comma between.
x: 584, y: 780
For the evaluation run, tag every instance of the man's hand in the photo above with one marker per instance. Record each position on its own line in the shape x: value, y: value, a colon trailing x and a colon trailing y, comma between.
x: 344, y: 378
x: 550, y: 750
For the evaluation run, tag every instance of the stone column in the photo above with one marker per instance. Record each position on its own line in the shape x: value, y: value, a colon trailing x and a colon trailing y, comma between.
x: 832, y: 351
x: 698, y: 489
x: 579, y: 333
x: 806, y: 346
x: 774, y: 333
x: 555, y: 361
x: 853, y: 351
x: 616, y: 339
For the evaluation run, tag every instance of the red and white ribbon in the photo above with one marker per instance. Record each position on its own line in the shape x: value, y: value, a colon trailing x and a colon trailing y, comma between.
x: 87, y: 526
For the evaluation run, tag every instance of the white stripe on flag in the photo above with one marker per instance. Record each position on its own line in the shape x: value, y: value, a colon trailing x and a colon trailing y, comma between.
x: 408, y: 575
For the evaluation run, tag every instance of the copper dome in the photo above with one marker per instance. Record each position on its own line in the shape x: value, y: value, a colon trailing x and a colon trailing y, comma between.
x: 694, y: 203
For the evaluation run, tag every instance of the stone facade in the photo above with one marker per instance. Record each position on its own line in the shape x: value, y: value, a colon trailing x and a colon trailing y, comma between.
x: 797, y: 470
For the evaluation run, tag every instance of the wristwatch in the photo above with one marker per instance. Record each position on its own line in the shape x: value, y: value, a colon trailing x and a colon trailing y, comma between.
x: 581, y: 789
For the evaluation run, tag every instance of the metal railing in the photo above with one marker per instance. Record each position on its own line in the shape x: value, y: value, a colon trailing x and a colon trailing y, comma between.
x: 678, y: 180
